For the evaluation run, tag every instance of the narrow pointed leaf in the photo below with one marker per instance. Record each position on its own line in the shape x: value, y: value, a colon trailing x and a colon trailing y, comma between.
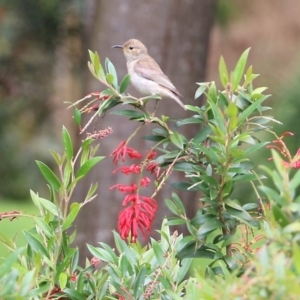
x: 223, y: 73
x: 176, y: 139
x: 124, y: 84
x: 49, y: 175
x: 67, y: 143
x: 239, y: 69
x: 75, y: 207
x: 88, y: 165
x: 77, y: 116
x: 111, y: 70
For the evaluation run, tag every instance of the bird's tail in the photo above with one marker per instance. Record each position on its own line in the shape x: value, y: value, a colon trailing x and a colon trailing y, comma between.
x: 178, y: 101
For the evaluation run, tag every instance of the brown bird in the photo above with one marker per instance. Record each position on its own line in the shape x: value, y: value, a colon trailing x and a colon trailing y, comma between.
x: 145, y: 74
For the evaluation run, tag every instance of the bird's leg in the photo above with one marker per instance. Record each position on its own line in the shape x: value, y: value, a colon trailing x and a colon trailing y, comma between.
x: 156, y: 102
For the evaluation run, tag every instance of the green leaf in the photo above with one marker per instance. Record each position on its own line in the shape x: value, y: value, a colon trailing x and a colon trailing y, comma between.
x: 223, y: 73
x: 9, y: 261
x: 49, y: 175
x: 111, y: 70
x: 102, y: 254
x: 192, y: 120
x: 232, y: 110
x: 219, y: 118
x: 109, y: 78
x: 92, y: 55
x: 88, y: 165
x: 185, y: 186
x: 239, y: 69
x: 75, y: 207
x: 74, y: 294
x: 272, y: 195
x: 178, y: 202
x: 139, y: 283
x: 212, y: 92
x: 295, y: 182
x: 249, y: 110
x: 208, y: 227
x: 35, y: 244
x: 26, y: 283
x: 158, y: 252
x: 58, y: 159
x: 96, y: 65
x: 248, y: 76
x: 92, y: 190
x: 201, y: 89
x: 42, y: 225
x: 154, y: 138
x: 177, y: 140
x: 77, y: 116
x: 67, y: 143
x: 292, y: 228
x: 241, y: 215
x: 172, y: 207
x: 191, y: 250
x: 202, y: 135
x: 48, y: 205
x: 185, y: 266
x: 186, y: 167
x: 107, y: 92
x: 296, y: 256
x: 280, y: 215
x: 172, y: 222
x: 254, y: 148
x: 63, y: 278
x: 124, y: 84
x: 133, y: 114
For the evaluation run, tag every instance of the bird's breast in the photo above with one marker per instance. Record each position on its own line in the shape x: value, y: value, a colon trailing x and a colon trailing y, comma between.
x: 143, y: 85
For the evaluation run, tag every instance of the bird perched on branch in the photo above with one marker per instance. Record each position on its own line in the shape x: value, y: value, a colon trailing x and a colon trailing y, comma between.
x: 145, y: 74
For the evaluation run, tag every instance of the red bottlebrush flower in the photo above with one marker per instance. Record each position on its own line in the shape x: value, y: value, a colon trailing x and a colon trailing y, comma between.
x: 74, y: 277
x: 99, y: 97
x: 280, y: 146
x: 122, y: 150
x: 95, y: 261
x: 139, y: 215
x: 133, y: 153
x: 123, y: 188
x: 145, y: 181
x: 135, y: 169
x: 53, y: 292
x: 153, y: 168
x: 151, y: 154
x: 100, y: 134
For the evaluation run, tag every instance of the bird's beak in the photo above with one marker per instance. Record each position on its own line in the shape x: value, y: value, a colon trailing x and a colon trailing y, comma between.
x: 118, y: 46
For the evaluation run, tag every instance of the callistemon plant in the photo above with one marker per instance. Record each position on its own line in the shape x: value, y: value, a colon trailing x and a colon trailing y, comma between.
x: 140, y: 210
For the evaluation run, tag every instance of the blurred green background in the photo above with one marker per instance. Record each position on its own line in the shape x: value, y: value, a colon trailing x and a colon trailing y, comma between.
x: 33, y: 36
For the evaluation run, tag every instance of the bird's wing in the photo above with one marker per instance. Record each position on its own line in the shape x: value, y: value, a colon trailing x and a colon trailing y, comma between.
x: 148, y: 68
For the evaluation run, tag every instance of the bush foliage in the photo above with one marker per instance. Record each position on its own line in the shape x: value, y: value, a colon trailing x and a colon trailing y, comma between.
x: 250, y: 247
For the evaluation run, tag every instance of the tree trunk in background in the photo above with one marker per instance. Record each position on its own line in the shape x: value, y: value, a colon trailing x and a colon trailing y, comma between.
x: 176, y: 34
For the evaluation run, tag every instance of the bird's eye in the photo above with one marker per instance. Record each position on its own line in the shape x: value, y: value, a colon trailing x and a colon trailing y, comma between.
x: 130, y: 48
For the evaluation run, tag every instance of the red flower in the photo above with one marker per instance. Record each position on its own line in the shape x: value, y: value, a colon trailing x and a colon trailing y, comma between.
x: 95, y: 261
x: 153, y: 168
x: 151, y: 154
x: 140, y: 215
x: 133, y: 153
x: 122, y: 150
x: 123, y: 188
x: 74, y: 277
x: 280, y: 146
x: 129, y: 169
x: 145, y: 181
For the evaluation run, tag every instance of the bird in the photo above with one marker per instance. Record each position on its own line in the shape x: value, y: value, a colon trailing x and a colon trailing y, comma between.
x: 145, y: 73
